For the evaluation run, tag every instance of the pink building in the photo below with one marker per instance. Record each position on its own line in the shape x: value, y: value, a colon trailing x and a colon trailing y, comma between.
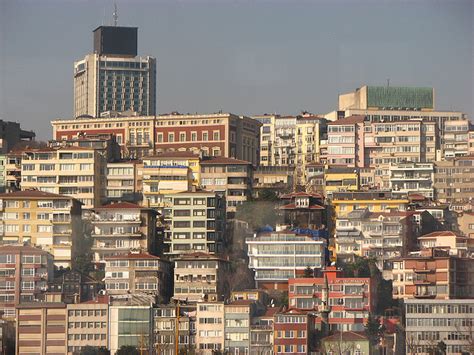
x: 346, y: 141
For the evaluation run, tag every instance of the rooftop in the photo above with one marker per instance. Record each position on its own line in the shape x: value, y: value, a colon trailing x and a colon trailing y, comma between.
x: 25, y: 249
x: 175, y: 154
x: 122, y: 205
x: 346, y: 336
x: 348, y: 120
x: 224, y: 161
x: 33, y: 194
x: 136, y: 256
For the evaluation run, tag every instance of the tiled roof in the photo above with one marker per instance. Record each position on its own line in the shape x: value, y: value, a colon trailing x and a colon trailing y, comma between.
x: 301, y: 194
x: 438, y: 234
x: 224, y: 161
x: 292, y: 206
x: 101, y: 299
x: 348, y: 120
x: 21, y: 248
x: 32, y: 194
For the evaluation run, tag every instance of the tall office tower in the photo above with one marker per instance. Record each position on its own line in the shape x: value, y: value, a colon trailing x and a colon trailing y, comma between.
x: 114, y: 78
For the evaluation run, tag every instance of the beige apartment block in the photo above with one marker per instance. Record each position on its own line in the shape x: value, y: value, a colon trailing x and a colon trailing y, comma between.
x: 209, y: 327
x: 123, y: 184
x: 200, y: 277
x: 47, y: 220
x: 72, y: 171
x: 228, y: 176
x: 87, y: 324
x: 119, y: 228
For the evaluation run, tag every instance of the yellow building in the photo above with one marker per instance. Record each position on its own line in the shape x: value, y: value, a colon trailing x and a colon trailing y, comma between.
x: 73, y: 171
x: 49, y: 221
x: 179, y: 158
x: 340, y: 178
x: 374, y: 201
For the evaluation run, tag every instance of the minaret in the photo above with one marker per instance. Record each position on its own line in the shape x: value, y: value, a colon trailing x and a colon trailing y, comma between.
x: 324, y: 308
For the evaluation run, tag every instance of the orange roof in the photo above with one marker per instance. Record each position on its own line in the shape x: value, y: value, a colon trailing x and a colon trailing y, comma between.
x: 347, y: 336
x: 224, y: 161
x: 33, y: 194
x: 348, y: 120
x: 102, y: 299
x: 21, y: 248
x: 438, y: 234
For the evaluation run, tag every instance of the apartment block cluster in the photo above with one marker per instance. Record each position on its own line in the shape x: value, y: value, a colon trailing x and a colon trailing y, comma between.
x: 230, y: 234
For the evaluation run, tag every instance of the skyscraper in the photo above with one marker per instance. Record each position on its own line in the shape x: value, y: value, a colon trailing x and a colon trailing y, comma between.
x: 114, y: 78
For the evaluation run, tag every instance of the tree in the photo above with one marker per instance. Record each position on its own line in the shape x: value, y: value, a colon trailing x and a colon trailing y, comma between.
x: 267, y: 195
x: 308, y: 272
x: 93, y: 350
x: 374, y: 329
x: 127, y: 350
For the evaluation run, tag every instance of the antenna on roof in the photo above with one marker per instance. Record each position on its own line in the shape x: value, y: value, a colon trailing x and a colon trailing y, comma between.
x: 115, y: 15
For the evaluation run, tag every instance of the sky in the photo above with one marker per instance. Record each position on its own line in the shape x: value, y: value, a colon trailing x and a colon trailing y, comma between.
x: 244, y: 57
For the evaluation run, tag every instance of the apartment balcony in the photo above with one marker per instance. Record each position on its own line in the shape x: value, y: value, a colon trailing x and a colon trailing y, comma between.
x: 424, y: 295
x: 114, y: 220
x: 118, y: 235
x: 61, y: 220
x: 62, y: 232
x: 107, y: 247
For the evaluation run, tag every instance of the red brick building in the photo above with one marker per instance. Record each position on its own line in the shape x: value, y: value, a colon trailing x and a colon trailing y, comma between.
x: 350, y: 298
x: 293, y: 332
x: 219, y: 134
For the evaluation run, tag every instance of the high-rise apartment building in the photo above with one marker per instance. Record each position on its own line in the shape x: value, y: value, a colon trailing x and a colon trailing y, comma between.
x: 24, y: 275
x: 50, y: 221
x: 412, y: 178
x: 210, y: 324
x: 114, y: 78
x: 72, y: 171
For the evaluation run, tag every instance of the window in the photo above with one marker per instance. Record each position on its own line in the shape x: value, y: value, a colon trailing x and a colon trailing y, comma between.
x: 215, y: 135
x: 205, y: 136
x: 170, y: 137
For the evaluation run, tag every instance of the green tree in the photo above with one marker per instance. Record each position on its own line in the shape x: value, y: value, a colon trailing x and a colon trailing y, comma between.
x: 93, y: 350
x: 308, y: 272
x: 440, y: 348
x: 374, y: 329
x: 127, y: 350
x: 267, y: 195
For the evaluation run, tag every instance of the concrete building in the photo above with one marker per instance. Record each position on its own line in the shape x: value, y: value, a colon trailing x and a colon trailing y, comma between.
x: 433, y: 273
x: 454, y: 182
x: 87, y: 324
x: 114, y: 79
x: 12, y: 171
x: 194, y: 222
x: 41, y: 328
x: 428, y: 322
x: 122, y: 227
x: 410, y: 178
x: 350, y: 343
x: 200, y: 277
x: 275, y: 178
x: 123, y: 183
x: 356, y: 142
x: 278, y: 256
x: 165, y: 321
x: 210, y: 327
x: 340, y: 178
x: 11, y: 134
x: 47, y: 220
x: 178, y: 159
x: 130, y: 322
x: 315, y: 177
x: 238, y: 316
x: 470, y: 139
x: 293, y: 332
x: 261, y: 332
x: 455, y: 245
x: 230, y: 177
x: 384, y: 236
x: 351, y: 299
x: 24, y: 275
x: 456, y: 138
x: 75, y: 287
x: 72, y: 171
x: 138, y: 273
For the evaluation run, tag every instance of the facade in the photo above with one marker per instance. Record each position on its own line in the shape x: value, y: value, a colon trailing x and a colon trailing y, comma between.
x: 433, y: 274
x: 130, y: 323
x: 230, y: 177
x: 450, y: 241
x: 304, y: 210
x: 294, y: 332
x: 410, y: 178
x: 47, y: 220
x: 137, y: 273
x: 87, y: 324
x: 210, y: 326
x: 72, y: 171
x: 75, y: 287
x: 276, y: 178
x: 41, y: 328
x: 315, y: 177
x: 384, y: 236
x: 219, y: 134
x: 356, y: 142
x: 428, y: 321
x: 238, y: 317
x: 278, y: 256
x: 454, y: 182
x: 12, y: 171
x: 200, y: 277
x: 24, y: 275
x: 194, y: 222
x: 351, y: 299
x: 121, y: 227
x: 113, y: 79
x: 123, y: 183
x: 340, y: 178
x: 456, y: 138
x: 261, y: 332
x: 165, y: 320
x: 350, y: 343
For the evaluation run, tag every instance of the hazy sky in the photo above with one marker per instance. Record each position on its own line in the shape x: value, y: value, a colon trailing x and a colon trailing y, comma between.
x: 245, y: 57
